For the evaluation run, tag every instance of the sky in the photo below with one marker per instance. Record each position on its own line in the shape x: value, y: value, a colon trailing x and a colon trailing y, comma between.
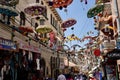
x: 78, y: 11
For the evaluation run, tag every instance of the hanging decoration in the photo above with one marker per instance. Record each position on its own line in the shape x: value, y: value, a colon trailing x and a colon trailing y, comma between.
x: 34, y: 9
x: 68, y: 23
x: 75, y: 46
x: 90, y: 32
x: 60, y: 3
x: 72, y: 28
x: 71, y: 38
x: 95, y: 10
x: 97, y: 52
x: 88, y: 37
x: 101, y: 1
x: 43, y: 29
x: 7, y: 10
x: 9, y: 2
x: 52, y: 38
x: 27, y: 29
x: 108, y: 31
x: 110, y: 25
x: 84, y: 0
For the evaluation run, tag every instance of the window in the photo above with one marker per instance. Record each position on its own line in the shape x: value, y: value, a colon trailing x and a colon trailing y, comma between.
x: 45, y: 13
x: 42, y: 21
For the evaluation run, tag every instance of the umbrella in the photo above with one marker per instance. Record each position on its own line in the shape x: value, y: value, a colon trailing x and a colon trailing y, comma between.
x: 101, y: 1
x: 10, y: 11
x: 95, y: 10
x: 68, y: 23
x: 35, y: 9
x: 61, y: 3
x: 43, y: 29
x: 9, y: 2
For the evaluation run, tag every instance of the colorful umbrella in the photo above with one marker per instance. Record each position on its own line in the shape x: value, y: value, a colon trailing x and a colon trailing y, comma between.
x: 34, y: 9
x: 63, y: 3
x: 68, y: 23
x: 43, y: 29
x: 95, y: 10
x: 10, y: 11
x: 60, y: 3
x: 26, y: 29
x: 101, y: 1
x: 9, y: 2
x: 71, y: 38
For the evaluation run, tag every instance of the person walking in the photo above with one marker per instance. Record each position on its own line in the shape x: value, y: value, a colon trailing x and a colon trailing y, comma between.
x: 61, y: 76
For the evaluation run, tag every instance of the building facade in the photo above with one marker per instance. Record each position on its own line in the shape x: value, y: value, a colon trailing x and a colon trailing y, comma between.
x: 24, y: 44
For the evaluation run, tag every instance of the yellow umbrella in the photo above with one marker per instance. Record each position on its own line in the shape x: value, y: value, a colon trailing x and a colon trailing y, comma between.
x: 43, y: 29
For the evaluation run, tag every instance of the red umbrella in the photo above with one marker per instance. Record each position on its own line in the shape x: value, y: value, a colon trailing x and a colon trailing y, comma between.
x: 68, y: 23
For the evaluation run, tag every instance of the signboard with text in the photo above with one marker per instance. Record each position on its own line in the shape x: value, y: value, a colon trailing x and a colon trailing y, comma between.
x: 7, y: 44
x: 114, y: 54
x: 29, y: 48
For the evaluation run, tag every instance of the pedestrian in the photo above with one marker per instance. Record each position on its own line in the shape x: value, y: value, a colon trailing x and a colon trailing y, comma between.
x: 61, y: 76
x: 91, y: 77
x: 48, y: 77
x: 70, y: 77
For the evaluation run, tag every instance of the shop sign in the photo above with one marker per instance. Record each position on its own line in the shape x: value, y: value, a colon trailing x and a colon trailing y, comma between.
x: 115, y: 54
x: 7, y: 44
x: 29, y: 48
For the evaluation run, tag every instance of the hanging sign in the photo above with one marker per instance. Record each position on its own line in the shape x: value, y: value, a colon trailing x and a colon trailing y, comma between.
x: 114, y: 54
x: 7, y: 44
x: 29, y: 48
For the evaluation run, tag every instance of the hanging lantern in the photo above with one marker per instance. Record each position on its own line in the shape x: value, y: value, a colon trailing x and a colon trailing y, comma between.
x: 97, y: 52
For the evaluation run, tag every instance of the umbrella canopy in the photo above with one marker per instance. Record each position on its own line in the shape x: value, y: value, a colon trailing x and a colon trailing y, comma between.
x: 68, y: 23
x: 35, y: 9
x: 9, y: 2
x: 10, y: 11
x: 26, y: 29
x: 101, y: 1
x: 61, y: 3
x: 95, y: 10
x: 43, y: 29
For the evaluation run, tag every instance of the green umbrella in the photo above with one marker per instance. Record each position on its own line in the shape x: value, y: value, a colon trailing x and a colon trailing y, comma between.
x: 101, y: 1
x: 95, y: 10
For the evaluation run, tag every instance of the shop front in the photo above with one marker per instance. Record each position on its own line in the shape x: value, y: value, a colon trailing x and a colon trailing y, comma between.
x: 31, y: 58
x: 8, y: 49
x: 110, y: 64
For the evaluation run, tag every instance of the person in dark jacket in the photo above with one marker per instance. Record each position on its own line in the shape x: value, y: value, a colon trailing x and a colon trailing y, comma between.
x: 22, y: 18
